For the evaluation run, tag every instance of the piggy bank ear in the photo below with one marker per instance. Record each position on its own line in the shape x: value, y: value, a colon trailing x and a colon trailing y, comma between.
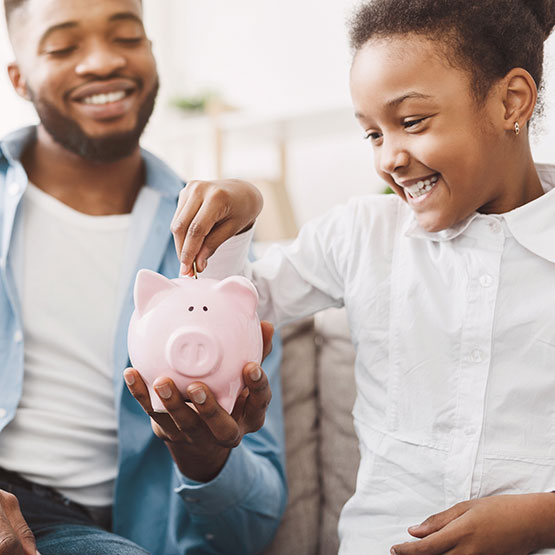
x: 147, y: 284
x: 242, y: 290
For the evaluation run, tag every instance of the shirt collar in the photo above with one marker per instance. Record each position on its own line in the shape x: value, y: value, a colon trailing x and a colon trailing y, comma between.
x: 158, y: 175
x: 532, y: 224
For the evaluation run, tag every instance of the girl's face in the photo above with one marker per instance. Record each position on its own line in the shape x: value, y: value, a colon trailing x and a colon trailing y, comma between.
x: 433, y: 144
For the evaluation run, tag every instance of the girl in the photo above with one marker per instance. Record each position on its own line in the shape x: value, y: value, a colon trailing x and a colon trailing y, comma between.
x: 449, y: 285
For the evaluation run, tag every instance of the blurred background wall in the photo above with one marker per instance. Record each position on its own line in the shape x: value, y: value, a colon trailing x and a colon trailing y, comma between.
x: 272, y: 79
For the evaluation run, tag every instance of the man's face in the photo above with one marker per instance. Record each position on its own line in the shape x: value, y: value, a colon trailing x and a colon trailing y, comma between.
x: 89, y: 70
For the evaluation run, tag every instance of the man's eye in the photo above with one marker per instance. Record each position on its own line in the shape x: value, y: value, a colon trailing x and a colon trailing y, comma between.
x: 61, y: 51
x: 129, y: 40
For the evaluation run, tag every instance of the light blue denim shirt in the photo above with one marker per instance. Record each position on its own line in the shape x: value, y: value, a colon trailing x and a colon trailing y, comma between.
x: 154, y: 505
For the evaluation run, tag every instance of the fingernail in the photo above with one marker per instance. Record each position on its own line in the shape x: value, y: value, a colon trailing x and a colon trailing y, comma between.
x: 255, y: 373
x: 393, y: 552
x: 198, y: 395
x: 164, y: 391
x: 129, y: 378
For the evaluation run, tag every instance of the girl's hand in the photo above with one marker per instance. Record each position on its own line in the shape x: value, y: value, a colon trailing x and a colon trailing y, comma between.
x: 499, y: 525
x: 208, y: 213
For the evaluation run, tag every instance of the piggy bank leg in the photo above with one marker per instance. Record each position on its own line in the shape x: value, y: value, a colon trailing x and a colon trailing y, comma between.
x: 156, y: 402
x: 227, y: 403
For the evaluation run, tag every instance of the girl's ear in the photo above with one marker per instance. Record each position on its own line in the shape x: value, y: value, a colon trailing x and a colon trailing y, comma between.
x: 18, y: 81
x: 520, y: 96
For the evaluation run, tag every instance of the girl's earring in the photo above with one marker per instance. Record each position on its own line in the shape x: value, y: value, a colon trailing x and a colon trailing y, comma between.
x: 517, y: 128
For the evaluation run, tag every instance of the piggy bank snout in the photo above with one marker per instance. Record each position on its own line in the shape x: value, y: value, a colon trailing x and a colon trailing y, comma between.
x: 192, y: 352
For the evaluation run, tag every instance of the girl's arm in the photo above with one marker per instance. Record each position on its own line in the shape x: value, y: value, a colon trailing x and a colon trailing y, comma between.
x: 293, y: 281
x: 497, y: 525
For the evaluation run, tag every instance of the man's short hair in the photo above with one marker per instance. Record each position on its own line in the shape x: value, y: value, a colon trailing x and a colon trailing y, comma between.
x: 10, y: 6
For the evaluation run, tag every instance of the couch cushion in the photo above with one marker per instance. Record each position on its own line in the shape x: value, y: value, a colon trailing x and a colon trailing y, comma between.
x: 338, y: 444
x: 298, y: 532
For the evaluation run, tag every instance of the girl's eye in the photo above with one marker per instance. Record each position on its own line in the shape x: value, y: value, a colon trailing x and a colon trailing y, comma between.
x: 412, y: 122
x: 372, y: 135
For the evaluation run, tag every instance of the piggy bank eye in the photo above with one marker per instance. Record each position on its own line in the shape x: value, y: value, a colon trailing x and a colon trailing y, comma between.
x: 191, y: 308
x: 205, y: 308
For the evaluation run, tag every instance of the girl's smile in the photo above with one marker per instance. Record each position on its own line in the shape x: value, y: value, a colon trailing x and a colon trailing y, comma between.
x: 440, y: 150
x: 419, y: 188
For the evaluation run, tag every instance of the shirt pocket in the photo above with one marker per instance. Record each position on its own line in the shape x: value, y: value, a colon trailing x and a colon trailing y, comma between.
x: 520, y: 406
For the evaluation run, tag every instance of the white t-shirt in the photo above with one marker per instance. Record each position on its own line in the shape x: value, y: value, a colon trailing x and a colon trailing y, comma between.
x: 64, y: 433
x: 455, y: 339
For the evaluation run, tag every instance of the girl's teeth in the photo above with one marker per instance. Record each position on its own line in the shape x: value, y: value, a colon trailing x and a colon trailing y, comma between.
x: 98, y: 99
x: 422, y: 187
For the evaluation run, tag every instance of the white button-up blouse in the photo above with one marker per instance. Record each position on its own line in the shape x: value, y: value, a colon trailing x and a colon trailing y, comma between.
x: 455, y: 339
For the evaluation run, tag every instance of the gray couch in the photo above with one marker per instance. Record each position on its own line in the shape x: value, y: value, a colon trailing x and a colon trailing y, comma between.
x: 321, y: 446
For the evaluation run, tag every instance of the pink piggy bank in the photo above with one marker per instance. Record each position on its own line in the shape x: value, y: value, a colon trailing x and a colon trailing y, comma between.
x: 194, y: 330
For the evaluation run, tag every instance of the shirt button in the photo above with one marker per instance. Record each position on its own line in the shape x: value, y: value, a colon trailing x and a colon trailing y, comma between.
x: 476, y: 356
x: 18, y: 336
x: 13, y: 188
x: 486, y: 280
x: 495, y: 227
x: 3, y: 413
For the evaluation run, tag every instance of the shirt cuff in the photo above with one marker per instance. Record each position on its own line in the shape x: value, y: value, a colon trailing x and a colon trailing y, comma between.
x: 227, y: 489
x: 230, y: 257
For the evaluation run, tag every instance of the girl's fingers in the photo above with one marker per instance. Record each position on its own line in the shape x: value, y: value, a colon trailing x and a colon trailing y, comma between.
x: 183, y: 218
x: 199, y: 227
x: 438, y: 521
x: 439, y: 543
x: 222, y: 231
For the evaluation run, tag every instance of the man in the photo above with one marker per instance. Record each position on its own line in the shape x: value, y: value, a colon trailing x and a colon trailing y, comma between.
x: 82, y: 208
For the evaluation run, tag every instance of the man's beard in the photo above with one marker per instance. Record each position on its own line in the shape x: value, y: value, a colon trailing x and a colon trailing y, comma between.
x: 106, y: 149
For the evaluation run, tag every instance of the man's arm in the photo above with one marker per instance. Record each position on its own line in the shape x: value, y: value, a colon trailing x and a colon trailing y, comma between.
x: 234, y: 505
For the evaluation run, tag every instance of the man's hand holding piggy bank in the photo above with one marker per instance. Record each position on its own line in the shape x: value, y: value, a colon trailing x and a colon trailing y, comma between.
x: 198, y: 341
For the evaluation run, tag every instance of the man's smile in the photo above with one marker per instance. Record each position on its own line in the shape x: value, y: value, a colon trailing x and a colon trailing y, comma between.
x: 105, y: 100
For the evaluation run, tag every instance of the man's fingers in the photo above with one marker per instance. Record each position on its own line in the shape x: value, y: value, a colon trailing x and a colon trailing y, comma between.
x: 259, y: 397
x: 222, y: 425
x: 16, y: 537
x: 138, y: 389
x: 240, y: 403
x: 184, y: 418
x: 438, y: 521
x: 267, y: 334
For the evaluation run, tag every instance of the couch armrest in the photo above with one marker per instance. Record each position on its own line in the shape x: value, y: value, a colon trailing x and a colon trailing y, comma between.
x: 337, y: 445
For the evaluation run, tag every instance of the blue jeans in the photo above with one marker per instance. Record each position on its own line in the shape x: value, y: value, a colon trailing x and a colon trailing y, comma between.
x: 64, y: 528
